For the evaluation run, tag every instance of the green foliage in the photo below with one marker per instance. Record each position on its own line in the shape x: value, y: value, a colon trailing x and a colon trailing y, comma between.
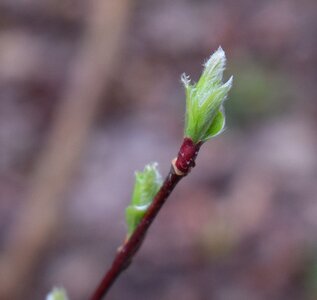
x: 147, y: 184
x: 204, y: 100
x: 57, y: 294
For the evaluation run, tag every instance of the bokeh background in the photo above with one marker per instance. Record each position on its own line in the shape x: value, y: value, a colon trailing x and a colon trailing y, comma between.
x: 90, y: 92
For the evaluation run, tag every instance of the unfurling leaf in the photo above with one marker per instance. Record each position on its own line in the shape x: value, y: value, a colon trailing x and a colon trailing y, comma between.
x: 147, y: 184
x: 204, y: 100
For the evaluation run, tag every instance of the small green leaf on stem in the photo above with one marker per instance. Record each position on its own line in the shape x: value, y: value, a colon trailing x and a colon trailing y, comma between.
x: 147, y: 184
x: 57, y: 294
x: 205, y: 117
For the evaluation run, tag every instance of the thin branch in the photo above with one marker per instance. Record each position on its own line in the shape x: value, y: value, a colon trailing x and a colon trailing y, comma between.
x: 179, y: 169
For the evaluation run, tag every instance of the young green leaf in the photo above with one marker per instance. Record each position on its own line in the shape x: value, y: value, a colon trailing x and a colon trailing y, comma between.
x: 147, y: 184
x: 204, y: 100
x: 57, y: 294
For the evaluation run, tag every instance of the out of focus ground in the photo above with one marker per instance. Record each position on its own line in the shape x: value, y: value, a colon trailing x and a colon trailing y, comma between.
x: 242, y: 226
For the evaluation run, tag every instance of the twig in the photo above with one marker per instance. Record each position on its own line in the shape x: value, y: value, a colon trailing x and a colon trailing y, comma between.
x: 180, y: 168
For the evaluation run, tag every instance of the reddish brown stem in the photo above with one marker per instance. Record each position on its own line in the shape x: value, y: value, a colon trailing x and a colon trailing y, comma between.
x: 180, y: 168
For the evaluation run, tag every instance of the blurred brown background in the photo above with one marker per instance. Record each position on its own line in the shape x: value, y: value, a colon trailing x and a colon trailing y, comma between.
x: 90, y: 92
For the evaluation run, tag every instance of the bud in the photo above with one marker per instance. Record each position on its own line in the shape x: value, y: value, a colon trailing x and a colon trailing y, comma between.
x: 57, y: 294
x: 147, y: 184
x: 204, y: 100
